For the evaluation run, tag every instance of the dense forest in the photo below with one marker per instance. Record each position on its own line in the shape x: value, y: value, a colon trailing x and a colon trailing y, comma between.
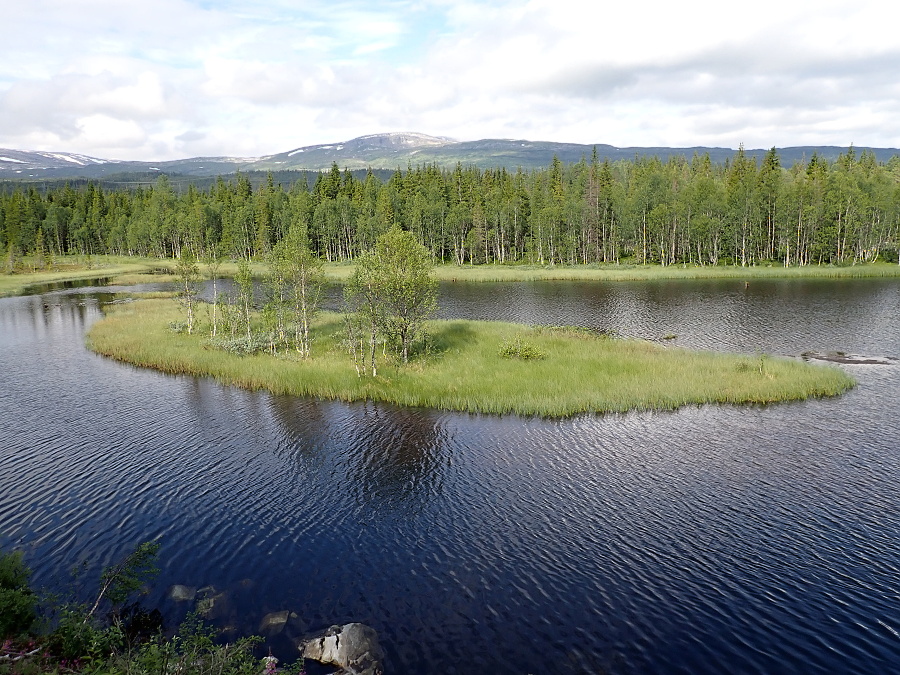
x: 643, y: 211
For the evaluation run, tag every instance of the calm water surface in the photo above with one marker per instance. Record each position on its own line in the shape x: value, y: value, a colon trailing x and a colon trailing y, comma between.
x: 709, y: 540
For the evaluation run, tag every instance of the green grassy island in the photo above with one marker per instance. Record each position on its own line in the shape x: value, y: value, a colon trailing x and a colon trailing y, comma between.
x: 474, y: 366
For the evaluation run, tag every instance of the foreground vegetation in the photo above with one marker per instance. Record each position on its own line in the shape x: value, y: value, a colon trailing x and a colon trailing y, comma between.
x: 41, y: 633
x: 487, y: 367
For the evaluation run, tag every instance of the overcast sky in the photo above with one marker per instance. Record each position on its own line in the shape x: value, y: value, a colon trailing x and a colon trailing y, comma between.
x: 135, y: 79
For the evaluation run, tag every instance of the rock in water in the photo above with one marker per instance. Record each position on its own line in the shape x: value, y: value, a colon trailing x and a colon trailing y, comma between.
x: 210, y: 603
x: 274, y: 623
x: 353, y: 647
x: 180, y: 593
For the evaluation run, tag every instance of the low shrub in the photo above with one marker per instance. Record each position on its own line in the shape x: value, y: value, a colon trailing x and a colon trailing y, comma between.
x: 517, y: 348
x: 17, y: 601
x: 242, y: 346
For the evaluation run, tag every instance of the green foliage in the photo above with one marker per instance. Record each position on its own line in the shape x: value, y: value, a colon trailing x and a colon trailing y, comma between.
x: 242, y: 346
x: 408, y: 288
x: 517, y: 348
x: 13, y: 572
x: 393, y: 291
x: 121, y: 580
x: 364, y: 312
x: 295, y: 284
x: 80, y: 643
x: 17, y: 602
x: 188, y: 283
x: 79, y: 637
x: 758, y: 364
x: 193, y: 651
x: 685, y: 211
x: 462, y: 370
x: 135, y: 570
x: 244, y: 300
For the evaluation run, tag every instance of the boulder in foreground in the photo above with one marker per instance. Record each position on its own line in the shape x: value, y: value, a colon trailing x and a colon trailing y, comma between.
x: 352, y: 647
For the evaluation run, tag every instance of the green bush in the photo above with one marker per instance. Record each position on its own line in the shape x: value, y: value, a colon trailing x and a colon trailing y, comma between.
x: 241, y: 346
x: 82, y: 643
x: 519, y: 349
x: 78, y: 637
x: 17, y: 601
x: 193, y: 651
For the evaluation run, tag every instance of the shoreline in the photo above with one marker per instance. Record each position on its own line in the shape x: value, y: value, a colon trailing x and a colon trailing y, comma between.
x: 125, y: 270
x: 575, y: 372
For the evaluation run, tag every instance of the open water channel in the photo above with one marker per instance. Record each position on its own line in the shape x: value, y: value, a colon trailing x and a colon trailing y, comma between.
x: 709, y: 540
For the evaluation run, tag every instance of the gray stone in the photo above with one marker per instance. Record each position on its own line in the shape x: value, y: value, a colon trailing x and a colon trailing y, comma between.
x: 210, y: 603
x: 274, y: 623
x: 180, y: 593
x: 352, y: 647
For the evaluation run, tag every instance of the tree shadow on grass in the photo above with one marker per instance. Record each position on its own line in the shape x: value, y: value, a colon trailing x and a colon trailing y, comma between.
x: 441, y: 338
x: 447, y: 337
x: 331, y: 325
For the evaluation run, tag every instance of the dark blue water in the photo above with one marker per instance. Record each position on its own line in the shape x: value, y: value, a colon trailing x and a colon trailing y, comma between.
x: 709, y: 540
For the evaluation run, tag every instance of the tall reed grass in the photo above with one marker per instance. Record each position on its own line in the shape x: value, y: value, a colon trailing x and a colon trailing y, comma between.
x: 463, y: 368
x: 653, y: 272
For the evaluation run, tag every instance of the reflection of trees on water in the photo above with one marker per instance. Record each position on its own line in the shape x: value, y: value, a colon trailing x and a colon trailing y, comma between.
x: 73, y: 311
x: 400, y: 453
x: 303, y: 431
x: 386, y: 454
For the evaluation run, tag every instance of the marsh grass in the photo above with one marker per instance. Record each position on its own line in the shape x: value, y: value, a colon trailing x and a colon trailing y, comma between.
x: 145, y: 295
x: 613, y: 272
x: 341, y: 272
x: 143, y: 278
x: 462, y: 368
x: 73, y: 268
x: 125, y: 270
x: 120, y: 270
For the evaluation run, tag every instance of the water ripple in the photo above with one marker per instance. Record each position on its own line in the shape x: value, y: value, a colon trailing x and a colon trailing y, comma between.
x: 714, y: 539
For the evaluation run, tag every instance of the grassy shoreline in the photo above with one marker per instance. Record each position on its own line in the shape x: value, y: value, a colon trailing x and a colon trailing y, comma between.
x: 659, y: 272
x: 579, y: 373
x: 124, y: 270
x: 74, y: 268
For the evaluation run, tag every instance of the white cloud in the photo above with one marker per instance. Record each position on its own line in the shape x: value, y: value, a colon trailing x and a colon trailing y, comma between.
x: 103, y: 131
x: 176, y: 78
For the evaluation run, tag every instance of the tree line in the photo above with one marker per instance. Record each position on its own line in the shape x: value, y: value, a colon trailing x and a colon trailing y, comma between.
x: 741, y: 212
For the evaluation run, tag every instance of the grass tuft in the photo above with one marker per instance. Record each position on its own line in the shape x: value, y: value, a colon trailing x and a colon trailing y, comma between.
x: 517, y: 348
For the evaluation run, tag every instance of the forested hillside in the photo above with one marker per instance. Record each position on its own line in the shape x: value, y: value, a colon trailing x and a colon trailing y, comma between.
x: 740, y: 212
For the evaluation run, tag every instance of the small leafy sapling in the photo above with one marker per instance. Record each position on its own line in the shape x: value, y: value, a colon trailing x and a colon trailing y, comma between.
x: 188, y: 284
x: 121, y: 580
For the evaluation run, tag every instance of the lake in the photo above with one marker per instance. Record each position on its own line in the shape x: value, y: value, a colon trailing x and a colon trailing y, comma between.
x: 712, y: 539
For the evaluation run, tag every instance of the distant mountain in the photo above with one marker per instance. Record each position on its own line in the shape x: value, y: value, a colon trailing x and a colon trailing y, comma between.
x: 40, y: 165
x: 380, y: 151
x: 20, y: 161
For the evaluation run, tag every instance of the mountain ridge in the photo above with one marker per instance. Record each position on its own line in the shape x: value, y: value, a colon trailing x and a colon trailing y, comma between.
x: 388, y: 151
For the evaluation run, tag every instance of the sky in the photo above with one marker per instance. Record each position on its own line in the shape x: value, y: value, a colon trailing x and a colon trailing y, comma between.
x: 169, y: 79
